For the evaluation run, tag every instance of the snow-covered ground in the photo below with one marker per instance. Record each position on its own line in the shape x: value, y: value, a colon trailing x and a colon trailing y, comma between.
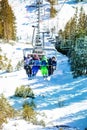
x: 61, y: 90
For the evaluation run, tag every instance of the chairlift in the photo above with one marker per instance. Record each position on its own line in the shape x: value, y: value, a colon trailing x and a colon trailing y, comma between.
x: 40, y: 51
x: 39, y: 48
x: 32, y: 51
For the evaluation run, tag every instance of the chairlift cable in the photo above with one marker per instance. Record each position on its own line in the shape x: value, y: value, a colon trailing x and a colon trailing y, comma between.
x: 62, y: 6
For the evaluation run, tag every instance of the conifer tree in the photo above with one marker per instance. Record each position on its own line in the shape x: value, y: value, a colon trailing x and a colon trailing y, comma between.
x: 71, y: 27
x: 76, y: 30
x: 7, y: 20
x: 53, y: 11
x: 76, y: 27
x: 82, y: 23
x: 1, y: 27
x: 78, y: 58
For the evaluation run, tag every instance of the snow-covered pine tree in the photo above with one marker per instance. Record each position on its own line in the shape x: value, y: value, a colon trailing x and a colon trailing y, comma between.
x: 78, y: 59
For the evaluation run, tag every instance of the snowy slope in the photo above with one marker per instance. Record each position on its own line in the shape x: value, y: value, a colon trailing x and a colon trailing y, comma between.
x: 62, y: 98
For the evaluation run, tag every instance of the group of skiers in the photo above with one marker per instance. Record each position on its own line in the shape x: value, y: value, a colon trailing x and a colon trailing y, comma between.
x: 33, y: 63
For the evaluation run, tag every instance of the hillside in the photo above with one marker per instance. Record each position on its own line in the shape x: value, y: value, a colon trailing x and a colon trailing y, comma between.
x: 62, y: 100
x: 25, y: 17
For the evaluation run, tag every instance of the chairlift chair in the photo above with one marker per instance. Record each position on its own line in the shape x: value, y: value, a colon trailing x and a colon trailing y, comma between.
x: 39, y: 48
x: 40, y: 51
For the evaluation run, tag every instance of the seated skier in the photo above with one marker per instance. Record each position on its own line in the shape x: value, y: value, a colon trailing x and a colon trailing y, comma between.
x: 54, y: 64
x: 36, y: 64
x: 44, y: 66
x: 50, y: 67
x: 28, y: 65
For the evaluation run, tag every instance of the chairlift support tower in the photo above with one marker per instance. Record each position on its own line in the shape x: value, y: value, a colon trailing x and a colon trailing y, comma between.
x: 39, y: 47
x: 37, y: 40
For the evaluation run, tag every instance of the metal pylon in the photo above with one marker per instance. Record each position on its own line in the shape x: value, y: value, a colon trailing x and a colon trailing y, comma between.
x: 37, y: 41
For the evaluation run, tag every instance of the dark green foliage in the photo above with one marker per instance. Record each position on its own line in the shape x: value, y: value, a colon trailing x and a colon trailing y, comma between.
x: 7, y: 21
x: 78, y: 59
x: 73, y: 43
x: 75, y: 28
x: 24, y: 91
x: 31, y: 104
